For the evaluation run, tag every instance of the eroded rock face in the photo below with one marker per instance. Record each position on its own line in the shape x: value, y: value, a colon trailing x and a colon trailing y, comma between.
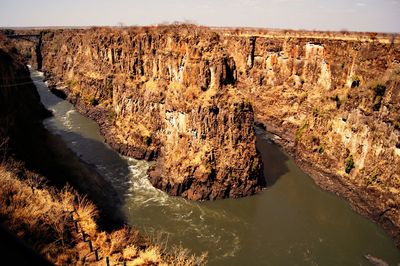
x: 215, y: 138
x: 166, y: 95
x: 334, y: 103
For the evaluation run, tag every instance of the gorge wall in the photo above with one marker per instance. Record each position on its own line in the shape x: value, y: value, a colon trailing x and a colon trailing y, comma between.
x: 185, y: 96
x: 20, y: 106
x: 166, y: 95
x: 334, y: 104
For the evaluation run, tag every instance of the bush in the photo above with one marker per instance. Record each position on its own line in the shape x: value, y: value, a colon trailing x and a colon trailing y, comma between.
x: 93, y: 101
x: 320, y: 149
x: 71, y: 83
x: 316, y: 112
x: 28, y: 54
x: 301, y: 130
x: 380, y: 90
x: 349, y: 164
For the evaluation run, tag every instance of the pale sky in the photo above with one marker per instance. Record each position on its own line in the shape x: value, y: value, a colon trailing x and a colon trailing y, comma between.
x: 358, y: 15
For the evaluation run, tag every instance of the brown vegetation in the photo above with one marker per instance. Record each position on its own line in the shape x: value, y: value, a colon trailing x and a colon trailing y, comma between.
x: 45, y: 217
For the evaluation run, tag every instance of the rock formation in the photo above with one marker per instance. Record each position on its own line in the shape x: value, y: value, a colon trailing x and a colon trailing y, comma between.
x: 333, y: 103
x: 167, y: 95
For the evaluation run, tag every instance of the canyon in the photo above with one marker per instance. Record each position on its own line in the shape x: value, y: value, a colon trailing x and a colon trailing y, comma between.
x: 188, y: 97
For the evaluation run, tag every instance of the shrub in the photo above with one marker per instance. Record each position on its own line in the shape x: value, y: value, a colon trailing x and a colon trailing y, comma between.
x: 93, y: 101
x: 112, y: 115
x: 301, y: 130
x: 376, y: 105
x: 71, y: 83
x: 28, y: 54
x: 349, y: 164
x: 320, y: 149
x: 374, y: 178
x: 316, y: 112
x: 215, y: 36
x: 380, y: 89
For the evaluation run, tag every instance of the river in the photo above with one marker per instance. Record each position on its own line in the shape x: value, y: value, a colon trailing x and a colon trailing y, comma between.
x: 292, y: 222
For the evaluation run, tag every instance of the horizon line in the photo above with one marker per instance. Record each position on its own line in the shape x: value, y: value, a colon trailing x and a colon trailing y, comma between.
x: 194, y: 24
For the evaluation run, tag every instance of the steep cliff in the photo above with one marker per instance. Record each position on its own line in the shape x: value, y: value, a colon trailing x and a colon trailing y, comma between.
x: 163, y: 94
x: 20, y: 106
x: 334, y: 103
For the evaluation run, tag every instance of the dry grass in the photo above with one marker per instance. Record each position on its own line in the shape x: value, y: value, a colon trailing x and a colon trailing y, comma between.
x: 44, y: 217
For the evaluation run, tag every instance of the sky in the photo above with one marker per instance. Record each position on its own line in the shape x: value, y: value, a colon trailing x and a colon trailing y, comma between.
x: 354, y: 15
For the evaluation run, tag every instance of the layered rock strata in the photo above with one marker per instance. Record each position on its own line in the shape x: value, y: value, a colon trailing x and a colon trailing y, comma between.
x: 333, y: 102
x: 167, y: 95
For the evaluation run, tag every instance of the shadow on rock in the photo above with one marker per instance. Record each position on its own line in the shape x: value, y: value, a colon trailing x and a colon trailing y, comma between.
x: 49, y: 155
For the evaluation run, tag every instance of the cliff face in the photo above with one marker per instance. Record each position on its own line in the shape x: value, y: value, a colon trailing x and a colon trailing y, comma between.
x: 334, y: 104
x: 20, y: 105
x: 167, y: 95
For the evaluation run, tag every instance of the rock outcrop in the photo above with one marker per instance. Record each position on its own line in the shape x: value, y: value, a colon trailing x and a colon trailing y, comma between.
x: 167, y: 95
